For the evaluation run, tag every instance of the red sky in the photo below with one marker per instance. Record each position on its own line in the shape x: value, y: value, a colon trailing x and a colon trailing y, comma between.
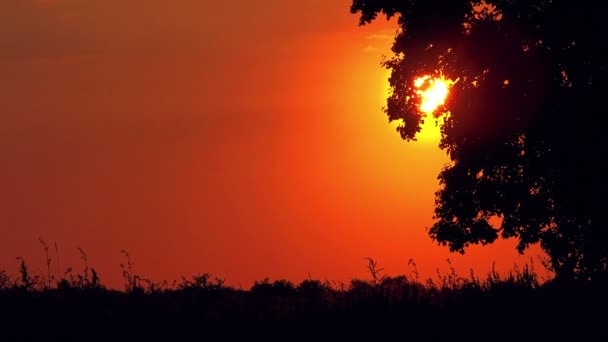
x: 242, y: 138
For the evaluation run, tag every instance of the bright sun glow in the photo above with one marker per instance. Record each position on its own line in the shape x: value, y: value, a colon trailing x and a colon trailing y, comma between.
x: 432, y: 92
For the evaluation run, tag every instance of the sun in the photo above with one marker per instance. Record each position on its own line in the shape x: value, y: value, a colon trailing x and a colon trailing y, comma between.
x: 432, y: 91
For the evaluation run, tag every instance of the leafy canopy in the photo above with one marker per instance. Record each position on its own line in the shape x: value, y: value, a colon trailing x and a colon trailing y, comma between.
x: 523, y: 125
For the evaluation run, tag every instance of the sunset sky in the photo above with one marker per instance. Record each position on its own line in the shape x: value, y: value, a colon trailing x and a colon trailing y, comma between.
x: 242, y: 138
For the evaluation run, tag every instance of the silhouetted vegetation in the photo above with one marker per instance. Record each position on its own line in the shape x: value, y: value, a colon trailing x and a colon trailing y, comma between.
x: 202, y: 307
x: 523, y: 126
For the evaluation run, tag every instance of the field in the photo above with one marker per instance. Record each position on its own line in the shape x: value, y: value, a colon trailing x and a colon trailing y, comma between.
x: 404, y: 308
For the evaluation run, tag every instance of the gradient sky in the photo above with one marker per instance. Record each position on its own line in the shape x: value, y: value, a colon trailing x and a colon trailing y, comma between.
x: 242, y: 138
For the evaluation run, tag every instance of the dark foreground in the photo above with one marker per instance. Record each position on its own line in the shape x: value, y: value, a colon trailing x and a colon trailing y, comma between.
x: 390, y: 309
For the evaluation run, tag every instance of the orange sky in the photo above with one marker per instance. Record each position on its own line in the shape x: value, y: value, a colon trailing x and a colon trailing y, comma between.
x: 240, y: 138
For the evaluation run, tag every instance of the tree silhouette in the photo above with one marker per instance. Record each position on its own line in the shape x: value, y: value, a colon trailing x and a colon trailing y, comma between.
x: 522, y: 126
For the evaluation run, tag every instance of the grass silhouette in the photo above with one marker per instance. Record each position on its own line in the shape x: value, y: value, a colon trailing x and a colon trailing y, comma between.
x: 79, y: 307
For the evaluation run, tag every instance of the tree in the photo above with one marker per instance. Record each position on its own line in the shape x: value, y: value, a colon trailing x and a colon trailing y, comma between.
x: 522, y: 125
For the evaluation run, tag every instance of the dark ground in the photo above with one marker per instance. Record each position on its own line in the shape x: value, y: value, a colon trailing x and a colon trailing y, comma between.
x: 393, y: 309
